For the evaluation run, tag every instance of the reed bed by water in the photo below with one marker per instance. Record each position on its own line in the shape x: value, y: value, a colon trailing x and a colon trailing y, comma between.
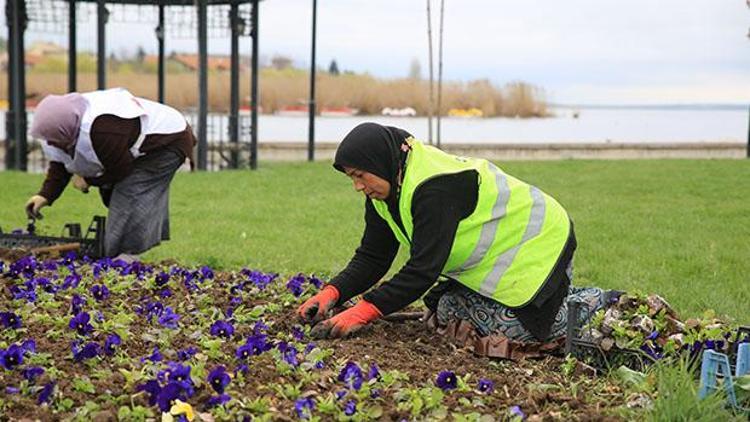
x: 290, y: 87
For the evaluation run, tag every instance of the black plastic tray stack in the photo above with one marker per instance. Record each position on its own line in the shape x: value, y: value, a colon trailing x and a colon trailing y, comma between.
x: 92, y: 242
x: 579, y: 345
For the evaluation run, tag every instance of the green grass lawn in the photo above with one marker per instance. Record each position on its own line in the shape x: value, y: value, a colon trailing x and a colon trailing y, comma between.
x: 677, y: 228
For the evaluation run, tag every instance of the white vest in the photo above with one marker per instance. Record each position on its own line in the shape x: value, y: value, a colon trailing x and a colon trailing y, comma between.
x: 155, y: 118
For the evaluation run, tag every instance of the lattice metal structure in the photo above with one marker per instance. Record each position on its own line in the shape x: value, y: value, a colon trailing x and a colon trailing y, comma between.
x: 51, y: 16
x: 184, y: 21
x: 171, y: 18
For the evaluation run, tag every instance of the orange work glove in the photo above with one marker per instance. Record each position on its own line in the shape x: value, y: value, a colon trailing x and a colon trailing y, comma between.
x: 348, y: 322
x: 315, y: 308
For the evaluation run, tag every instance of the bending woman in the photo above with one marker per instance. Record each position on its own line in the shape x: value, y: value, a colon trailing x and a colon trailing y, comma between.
x: 500, y: 250
x: 129, y: 147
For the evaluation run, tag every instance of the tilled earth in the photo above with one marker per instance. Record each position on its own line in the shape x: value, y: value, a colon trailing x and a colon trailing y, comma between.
x: 540, y: 389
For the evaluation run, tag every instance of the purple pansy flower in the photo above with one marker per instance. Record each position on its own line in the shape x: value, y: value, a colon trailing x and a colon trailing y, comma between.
x: 161, y: 279
x: 180, y: 374
x: 304, y: 407
x: 10, y: 320
x: 350, y: 408
x: 217, y: 400
x: 294, y: 285
x: 516, y: 413
x: 446, y: 380
x: 111, y: 344
x: 315, y: 281
x: 351, y: 374
x: 207, y: 272
x: 219, y: 379
x: 89, y: 351
x: 260, y: 343
x: 76, y: 304
x: 241, y: 369
x: 168, y: 318
x: 259, y: 327
x: 297, y: 333
x: 44, y: 395
x: 71, y: 281
x: 222, y: 329
x: 485, y: 386
x: 28, y: 346
x: 374, y: 372
x: 288, y: 353
x: 168, y: 394
x: 31, y: 372
x: 155, y: 356
x: 11, y: 357
x: 100, y: 292
x: 153, y: 389
x: 244, y: 351
x: 187, y: 353
x: 81, y: 324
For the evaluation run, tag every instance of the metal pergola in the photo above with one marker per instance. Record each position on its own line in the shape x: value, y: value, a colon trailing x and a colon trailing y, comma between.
x: 18, y: 19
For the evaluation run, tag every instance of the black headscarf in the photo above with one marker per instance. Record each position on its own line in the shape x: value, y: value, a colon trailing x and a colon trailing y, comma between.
x: 375, y: 149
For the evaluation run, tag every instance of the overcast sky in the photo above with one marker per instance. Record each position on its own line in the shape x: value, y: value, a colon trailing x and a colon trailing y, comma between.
x: 579, y: 51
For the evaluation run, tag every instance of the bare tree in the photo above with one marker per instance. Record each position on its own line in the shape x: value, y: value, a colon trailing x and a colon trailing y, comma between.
x: 415, y: 70
x: 440, y: 70
x: 429, y: 103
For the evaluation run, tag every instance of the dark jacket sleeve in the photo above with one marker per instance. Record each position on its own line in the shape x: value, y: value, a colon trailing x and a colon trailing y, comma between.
x: 371, y: 260
x: 111, y: 138
x: 55, y: 181
x: 438, y: 207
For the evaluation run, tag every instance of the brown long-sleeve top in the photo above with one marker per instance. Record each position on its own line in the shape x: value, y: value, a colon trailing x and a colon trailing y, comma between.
x: 112, y: 137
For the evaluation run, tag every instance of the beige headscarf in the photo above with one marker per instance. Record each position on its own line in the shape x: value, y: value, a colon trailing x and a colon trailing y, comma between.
x: 57, y: 120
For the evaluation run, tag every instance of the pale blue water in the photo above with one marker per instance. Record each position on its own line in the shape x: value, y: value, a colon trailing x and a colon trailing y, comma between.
x: 592, y: 126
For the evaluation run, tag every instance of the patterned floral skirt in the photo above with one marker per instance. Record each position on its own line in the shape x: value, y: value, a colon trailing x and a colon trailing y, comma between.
x: 490, y: 318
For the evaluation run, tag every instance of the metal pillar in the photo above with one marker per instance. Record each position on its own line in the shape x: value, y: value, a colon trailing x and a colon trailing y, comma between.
x: 236, y: 25
x: 311, y: 107
x: 72, y: 47
x: 101, y: 48
x: 160, y: 39
x: 254, y: 89
x: 10, y: 150
x: 202, y: 84
x: 16, y: 143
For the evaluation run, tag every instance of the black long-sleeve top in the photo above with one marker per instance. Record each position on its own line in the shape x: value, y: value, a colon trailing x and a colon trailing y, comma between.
x: 438, y: 207
x: 112, y: 137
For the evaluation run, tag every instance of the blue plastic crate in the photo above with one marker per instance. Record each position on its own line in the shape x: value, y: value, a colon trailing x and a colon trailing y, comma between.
x: 716, y: 366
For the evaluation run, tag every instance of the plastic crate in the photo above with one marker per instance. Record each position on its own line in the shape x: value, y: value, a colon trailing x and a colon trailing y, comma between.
x: 579, y: 345
x: 716, y: 366
x: 91, y: 242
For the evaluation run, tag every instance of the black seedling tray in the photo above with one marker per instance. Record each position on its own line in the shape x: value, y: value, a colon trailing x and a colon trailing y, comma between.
x: 577, y: 344
x: 92, y: 242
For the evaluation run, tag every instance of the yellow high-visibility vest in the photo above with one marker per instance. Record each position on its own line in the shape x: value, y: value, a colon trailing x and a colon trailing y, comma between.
x: 509, y: 245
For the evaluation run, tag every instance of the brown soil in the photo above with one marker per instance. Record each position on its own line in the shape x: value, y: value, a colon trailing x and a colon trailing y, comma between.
x: 537, y: 386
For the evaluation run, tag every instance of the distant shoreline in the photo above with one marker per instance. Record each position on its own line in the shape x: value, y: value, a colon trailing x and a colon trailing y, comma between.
x: 709, y: 106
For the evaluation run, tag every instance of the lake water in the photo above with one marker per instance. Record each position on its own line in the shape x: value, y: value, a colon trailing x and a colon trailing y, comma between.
x: 592, y: 126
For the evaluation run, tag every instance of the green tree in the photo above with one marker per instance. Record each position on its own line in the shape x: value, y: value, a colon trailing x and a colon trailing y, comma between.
x: 333, y: 68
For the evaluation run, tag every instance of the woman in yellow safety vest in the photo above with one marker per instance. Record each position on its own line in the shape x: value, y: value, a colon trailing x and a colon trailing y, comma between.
x: 500, y: 250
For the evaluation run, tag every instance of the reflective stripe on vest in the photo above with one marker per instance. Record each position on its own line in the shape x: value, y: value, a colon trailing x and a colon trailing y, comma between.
x: 510, y: 243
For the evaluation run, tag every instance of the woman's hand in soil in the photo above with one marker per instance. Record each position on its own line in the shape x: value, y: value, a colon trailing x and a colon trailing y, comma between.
x: 34, y: 204
x: 348, y: 322
x: 316, y: 308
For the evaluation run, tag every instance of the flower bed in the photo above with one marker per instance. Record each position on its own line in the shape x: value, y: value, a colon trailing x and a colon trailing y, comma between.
x: 637, y: 330
x: 104, y: 340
